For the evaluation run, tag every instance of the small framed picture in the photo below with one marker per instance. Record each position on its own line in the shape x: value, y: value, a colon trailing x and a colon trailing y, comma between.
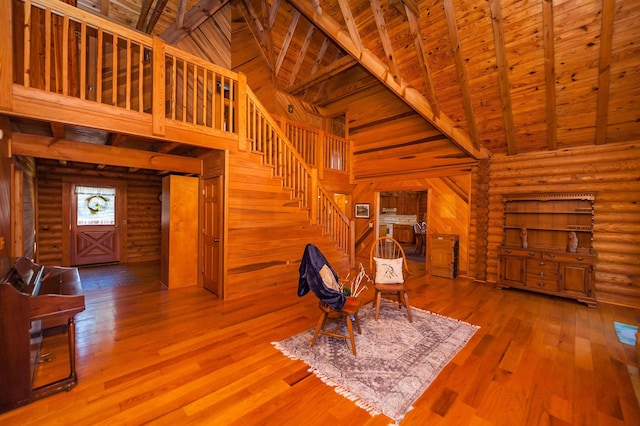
x: 362, y: 211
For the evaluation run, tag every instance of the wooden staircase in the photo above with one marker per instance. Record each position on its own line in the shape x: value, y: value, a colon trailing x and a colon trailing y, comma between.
x: 165, y: 93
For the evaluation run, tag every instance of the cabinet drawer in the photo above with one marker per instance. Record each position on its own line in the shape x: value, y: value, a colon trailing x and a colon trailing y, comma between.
x: 517, y: 252
x: 542, y: 282
x: 567, y: 257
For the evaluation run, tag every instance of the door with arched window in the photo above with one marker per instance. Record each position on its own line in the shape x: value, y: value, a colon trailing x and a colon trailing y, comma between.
x: 94, y: 225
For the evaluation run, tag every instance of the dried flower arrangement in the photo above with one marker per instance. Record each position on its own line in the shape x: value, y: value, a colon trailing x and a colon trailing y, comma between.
x: 355, y: 286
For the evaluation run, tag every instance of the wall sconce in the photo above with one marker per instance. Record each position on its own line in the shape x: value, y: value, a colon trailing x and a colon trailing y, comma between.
x: 290, y: 109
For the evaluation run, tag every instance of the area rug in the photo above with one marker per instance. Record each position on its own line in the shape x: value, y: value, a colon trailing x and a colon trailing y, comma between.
x: 626, y: 333
x: 396, y: 360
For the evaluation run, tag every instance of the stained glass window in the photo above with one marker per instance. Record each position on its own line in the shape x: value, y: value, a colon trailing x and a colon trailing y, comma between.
x: 96, y: 205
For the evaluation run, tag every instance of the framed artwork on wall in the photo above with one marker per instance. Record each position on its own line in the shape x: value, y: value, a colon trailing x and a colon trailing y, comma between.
x: 362, y: 211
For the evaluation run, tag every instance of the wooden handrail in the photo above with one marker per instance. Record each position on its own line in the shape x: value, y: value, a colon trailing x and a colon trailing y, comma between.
x: 122, y: 68
x: 268, y: 138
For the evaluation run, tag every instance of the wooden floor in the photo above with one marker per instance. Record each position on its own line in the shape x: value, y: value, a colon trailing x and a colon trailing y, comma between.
x: 147, y: 355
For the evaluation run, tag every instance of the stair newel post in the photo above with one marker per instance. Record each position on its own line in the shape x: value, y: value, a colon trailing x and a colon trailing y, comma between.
x: 351, y: 244
x: 159, y: 95
x: 313, y: 203
x: 242, y: 112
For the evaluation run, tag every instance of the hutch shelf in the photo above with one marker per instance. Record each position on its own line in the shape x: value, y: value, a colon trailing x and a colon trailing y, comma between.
x: 548, y: 245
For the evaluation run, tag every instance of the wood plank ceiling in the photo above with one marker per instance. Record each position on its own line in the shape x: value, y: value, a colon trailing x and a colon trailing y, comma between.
x: 496, y: 77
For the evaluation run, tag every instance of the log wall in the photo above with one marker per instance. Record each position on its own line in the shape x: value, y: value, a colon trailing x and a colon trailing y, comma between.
x: 612, y: 172
x: 143, y: 213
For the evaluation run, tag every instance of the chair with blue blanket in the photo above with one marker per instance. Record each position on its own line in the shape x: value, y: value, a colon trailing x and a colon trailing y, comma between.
x: 318, y: 276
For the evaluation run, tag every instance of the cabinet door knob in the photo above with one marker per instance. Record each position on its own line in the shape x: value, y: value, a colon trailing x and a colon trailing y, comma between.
x: 580, y: 259
x: 541, y: 264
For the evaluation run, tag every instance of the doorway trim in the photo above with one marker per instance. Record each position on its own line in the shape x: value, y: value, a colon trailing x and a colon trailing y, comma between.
x: 68, y: 185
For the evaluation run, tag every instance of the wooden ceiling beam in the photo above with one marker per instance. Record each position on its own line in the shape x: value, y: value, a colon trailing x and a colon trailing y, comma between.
x: 548, y: 42
x: 144, y: 12
x: 267, y: 13
x: 404, y: 5
x: 421, y: 56
x: 604, y: 69
x: 287, y: 40
x: 320, y: 57
x: 351, y: 24
x: 155, y: 16
x: 192, y: 20
x: 302, y: 54
x: 273, y: 12
x: 452, y: 25
x: 378, y: 69
x: 503, y: 76
x: 182, y: 9
x: 324, y: 74
x: 384, y: 38
x: 258, y: 31
x: 65, y: 150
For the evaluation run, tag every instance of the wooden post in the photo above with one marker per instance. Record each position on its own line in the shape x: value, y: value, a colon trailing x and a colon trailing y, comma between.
x: 320, y: 154
x: 158, y: 87
x: 242, y: 112
x: 6, y: 55
x: 351, y: 245
x: 313, y: 203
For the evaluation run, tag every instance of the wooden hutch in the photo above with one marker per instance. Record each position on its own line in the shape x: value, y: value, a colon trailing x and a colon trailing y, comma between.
x: 548, y: 244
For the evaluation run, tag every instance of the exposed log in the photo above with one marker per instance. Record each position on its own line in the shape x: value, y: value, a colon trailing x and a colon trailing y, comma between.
x: 41, y: 147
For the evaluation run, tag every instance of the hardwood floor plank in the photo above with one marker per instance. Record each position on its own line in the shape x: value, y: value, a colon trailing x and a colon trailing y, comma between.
x: 147, y: 355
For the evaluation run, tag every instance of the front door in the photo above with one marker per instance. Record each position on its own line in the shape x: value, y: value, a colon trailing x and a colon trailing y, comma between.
x: 94, y: 230
x: 211, y: 230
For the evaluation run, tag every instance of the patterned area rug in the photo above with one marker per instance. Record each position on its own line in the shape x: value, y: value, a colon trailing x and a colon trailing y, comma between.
x: 396, y: 360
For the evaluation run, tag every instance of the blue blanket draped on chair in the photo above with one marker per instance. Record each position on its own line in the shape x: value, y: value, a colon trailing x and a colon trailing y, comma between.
x: 312, y: 261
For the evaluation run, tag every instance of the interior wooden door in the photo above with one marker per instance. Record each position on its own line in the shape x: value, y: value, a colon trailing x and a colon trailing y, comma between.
x: 212, y: 230
x: 94, y: 235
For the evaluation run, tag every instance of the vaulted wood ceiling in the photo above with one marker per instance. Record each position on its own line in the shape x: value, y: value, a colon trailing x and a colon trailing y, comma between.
x: 496, y: 77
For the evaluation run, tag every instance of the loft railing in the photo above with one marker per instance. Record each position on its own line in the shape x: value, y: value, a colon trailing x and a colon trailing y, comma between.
x: 60, y: 50
x: 318, y: 148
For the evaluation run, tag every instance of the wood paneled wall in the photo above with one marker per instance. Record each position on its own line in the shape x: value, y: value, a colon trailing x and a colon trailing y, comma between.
x: 267, y: 232
x: 447, y: 210
x: 143, y: 214
x: 612, y: 172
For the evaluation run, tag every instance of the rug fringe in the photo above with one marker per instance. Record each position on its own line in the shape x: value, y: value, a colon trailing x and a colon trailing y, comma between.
x: 345, y: 392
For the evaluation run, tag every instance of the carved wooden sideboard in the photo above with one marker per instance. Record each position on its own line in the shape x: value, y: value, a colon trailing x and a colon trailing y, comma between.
x: 548, y: 245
